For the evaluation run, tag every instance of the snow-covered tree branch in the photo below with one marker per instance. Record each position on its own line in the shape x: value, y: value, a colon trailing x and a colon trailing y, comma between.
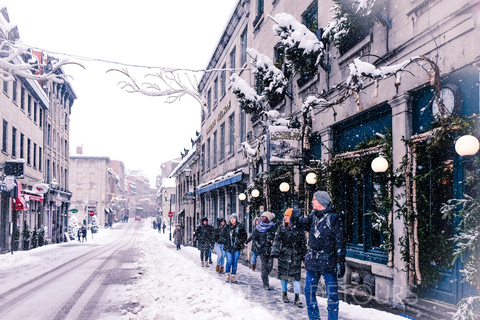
x: 18, y: 60
x: 172, y: 86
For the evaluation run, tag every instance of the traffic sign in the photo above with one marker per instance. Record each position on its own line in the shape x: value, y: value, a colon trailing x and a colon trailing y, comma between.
x: 91, y: 213
x: 74, y: 210
x: 170, y: 214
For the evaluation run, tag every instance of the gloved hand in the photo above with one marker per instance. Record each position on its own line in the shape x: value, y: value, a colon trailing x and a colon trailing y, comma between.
x: 296, y: 213
x: 340, y: 269
x: 274, y: 254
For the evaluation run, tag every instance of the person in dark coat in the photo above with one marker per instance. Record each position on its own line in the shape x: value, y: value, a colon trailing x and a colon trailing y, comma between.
x: 289, y: 246
x: 256, y: 222
x: 233, y: 236
x: 163, y: 227
x: 262, y: 237
x: 326, y: 253
x: 218, y: 246
x: 84, y: 233
x: 204, y: 234
x: 178, y: 236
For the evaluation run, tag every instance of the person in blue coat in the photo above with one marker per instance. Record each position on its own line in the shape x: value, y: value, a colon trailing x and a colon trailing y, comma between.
x: 326, y: 254
x: 262, y: 238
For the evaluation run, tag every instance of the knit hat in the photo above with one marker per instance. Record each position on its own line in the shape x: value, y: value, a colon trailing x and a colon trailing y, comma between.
x: 288, y: 213
x: 255, y: 221
x: 323, y: 198
x: 270, y: 216
x: 233, y: 216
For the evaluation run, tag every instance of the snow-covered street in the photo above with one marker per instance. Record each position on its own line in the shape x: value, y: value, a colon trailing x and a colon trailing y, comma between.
x: 143, y: 276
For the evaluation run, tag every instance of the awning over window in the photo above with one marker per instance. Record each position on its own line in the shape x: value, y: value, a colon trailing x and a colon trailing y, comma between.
x: 31, y: 196
x: 216, y: 185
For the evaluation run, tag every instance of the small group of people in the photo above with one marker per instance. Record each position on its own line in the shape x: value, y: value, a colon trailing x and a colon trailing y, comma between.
x: 324, y: 256
x: 82, y: 234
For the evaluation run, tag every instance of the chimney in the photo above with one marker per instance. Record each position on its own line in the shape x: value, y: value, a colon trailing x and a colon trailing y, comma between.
x: 79, y: 149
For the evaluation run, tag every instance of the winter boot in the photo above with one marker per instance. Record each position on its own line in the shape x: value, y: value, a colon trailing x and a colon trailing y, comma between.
x: 285, y: 297
x: 227, y: 277
x: 222, y: 270
x: 297, y: 302
x: 217, y: 268
x: 206, y: 264
x: 232, y: 279
x: 254, y: 266
x: 202, y: 263
x: 210, y: 261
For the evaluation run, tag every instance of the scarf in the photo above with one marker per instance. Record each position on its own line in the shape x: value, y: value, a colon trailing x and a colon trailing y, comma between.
x: 263, y: 227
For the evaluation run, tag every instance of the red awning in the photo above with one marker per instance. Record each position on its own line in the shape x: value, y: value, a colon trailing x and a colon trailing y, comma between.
x: 20, y: 204
x: 29, y: 196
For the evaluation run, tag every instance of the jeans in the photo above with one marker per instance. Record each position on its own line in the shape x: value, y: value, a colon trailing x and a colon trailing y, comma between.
x: 232, y: 261
x: 204, y: 255
x: 254, y: 257
x: 178, y: 246
x: 311, y: 286
x: 296, y: 286
x: 220, y: 254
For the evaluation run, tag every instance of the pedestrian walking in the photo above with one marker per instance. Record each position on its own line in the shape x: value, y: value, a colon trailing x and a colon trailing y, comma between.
x: 289, y: 246
x: 218, y: 246
x: 79, y: 234
x: 326, y: 253
x: 84, y: 233
x: 233, y: 237
x: 262, y: 238
x: 163, y: 227
x: 178, y: 236
x: 254, y: 250
x: 204, y: 234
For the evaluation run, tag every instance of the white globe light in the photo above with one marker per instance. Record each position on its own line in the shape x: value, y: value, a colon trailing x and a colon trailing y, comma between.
x: 311, y: 178
x: 284, y: 187
x: 255, y: 193
x: 242, y: 196
x: 467, y: 145
x: 379, y: 164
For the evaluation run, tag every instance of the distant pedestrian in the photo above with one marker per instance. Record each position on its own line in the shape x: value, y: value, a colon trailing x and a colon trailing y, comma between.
x: 84, y: 233
x: 289, y: 246
x: 79, y: 234
x: 256, y: 222
x: 218, y: 246
x: 204, y: 234
x: 163, y: 227
x: 262, y: 238
x: 326, y: 253
x: 178, y: 236
x: 233, y: 237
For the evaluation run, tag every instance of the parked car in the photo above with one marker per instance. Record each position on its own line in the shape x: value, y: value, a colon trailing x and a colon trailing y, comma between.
x: 138, y: 218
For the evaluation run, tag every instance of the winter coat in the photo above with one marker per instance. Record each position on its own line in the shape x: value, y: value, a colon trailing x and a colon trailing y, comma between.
x: 233, y: 237
x: 289, y: 246
x: 326, y: 239
x: 204, y: 234
x: 178, y: 235
x: 218, y: 232
x: 262, y: 238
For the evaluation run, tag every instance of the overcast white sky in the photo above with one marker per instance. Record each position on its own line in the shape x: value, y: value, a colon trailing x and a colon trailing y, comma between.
x: 138, y: 130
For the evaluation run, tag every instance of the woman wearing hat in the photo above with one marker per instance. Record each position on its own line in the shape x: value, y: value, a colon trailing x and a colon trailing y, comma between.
x: 262, y: 238
x: 289, y: 246
x: 233, y: 237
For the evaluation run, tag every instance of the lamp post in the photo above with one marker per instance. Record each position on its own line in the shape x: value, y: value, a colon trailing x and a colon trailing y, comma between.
x: 379, y: 164
x: 467, y: 145
x: 169, y: 213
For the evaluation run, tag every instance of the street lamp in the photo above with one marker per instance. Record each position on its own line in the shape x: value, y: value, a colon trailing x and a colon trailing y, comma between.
x: 467, y: 145
x: 379, y: 164
x: 255, y: 193
x: 311, y: 178
x: 284, y: 187
x: 166, y: 198
x: 242, y: 196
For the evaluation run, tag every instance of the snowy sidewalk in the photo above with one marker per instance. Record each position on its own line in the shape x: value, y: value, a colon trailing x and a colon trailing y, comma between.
x: 173, y: 285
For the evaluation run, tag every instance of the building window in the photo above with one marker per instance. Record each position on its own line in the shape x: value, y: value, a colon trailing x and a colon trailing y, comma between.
x: 231, y: 139
x: 222, y: 141
x: 22, y: 143
x: 66, y: 121
x: 203, y: 157
x: 208, y: 154
x: 215, y: 93
x: 40, y: 158
x: 40, y: 117
x: 233, y: 56
x: 49, y: 129
x: 310, y: 17
x: 35, y: 107
x: 260, y: 6
x: 215, y: 148
x: 14, y: 142
x: 243, y: 126
x: 14, y: 90
x: 29, y: 105
x: 243, y: 50
x: 5, y: 86
x: 22, y: 98
x: 29, y: 152
x: 48, y: 175
x: 34, y: 155
x: 66, y: 148
x: 223, y: 84
x: 209, y: 101
x: 4, y: 138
